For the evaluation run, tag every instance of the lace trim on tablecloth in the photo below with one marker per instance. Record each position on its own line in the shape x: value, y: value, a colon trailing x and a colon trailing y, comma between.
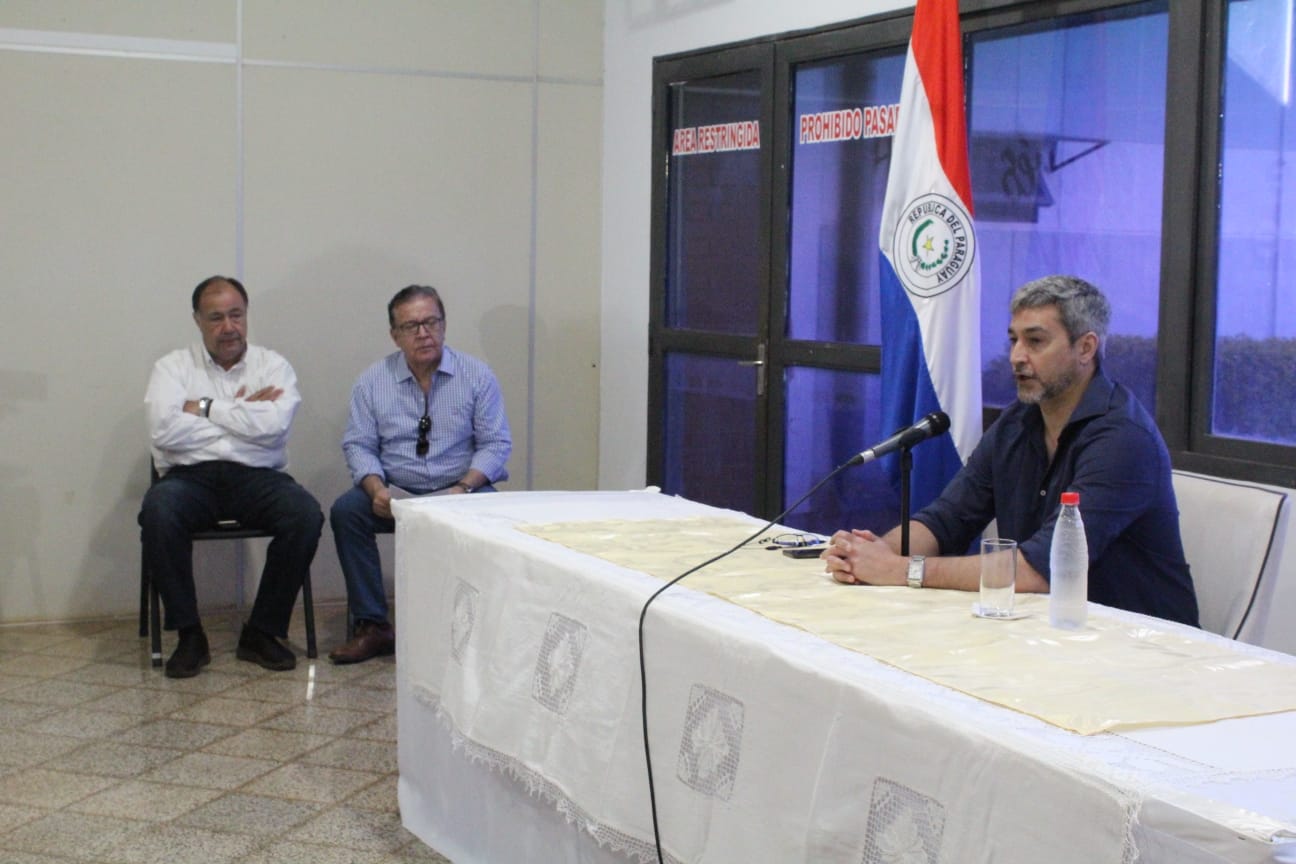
x: 537, y: 785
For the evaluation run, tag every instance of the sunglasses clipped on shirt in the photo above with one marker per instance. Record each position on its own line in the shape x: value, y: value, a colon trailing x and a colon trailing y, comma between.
x: 424, y: 427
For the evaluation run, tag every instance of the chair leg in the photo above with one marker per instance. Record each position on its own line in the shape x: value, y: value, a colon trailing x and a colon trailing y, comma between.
x: 308, y: 609
x: 144, y: 596
x: 155, y: 625
x: 239, y: 576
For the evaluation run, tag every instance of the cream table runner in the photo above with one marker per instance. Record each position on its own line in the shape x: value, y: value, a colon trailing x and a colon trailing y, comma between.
x: 1110, y: 675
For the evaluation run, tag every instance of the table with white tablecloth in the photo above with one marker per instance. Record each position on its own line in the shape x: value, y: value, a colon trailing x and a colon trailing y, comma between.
x: 792, y: 719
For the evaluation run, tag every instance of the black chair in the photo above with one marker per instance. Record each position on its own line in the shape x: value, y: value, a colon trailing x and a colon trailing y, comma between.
x: 225, y: 529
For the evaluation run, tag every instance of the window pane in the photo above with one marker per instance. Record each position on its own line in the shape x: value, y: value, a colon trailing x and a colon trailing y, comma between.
x: 710, y: 431
x: 832, y: 416
x: 1254, y: 393
x: 1067, y: 129
x: 713, y: 222
x: 841, y: 150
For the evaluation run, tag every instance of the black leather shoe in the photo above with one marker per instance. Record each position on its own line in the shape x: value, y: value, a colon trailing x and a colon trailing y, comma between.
x: 190, y: 655
x: 263, y: 650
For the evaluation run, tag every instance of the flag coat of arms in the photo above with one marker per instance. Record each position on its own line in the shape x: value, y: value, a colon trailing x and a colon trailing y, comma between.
x: 930, y: 281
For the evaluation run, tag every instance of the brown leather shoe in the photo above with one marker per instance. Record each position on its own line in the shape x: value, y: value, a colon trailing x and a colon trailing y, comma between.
x: 371, y: 640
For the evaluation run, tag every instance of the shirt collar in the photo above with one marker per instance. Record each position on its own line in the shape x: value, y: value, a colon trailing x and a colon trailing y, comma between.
x: 208, y: 363
x: 1093, y: 403
x: 1096, y: 398
x: 449, y: 364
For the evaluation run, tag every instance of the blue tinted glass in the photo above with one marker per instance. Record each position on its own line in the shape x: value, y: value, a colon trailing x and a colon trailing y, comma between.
x: 841, y: 150
x: 832, y: 416
x: 713, y: 270
x: 710, y: 431
x: 1067, y: 130
x: 1254, y: 393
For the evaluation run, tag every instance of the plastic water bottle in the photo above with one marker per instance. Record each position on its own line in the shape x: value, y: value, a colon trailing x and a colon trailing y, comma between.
x: 1069, y: 567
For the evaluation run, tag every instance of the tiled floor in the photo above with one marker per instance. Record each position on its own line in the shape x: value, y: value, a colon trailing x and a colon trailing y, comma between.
x: 103, y: 758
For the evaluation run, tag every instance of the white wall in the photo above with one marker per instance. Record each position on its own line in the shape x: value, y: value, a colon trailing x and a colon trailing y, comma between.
x: 329, y: 154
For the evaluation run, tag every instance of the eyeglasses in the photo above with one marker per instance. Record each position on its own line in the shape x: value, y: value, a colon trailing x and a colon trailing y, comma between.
x: 432, y: 325
x: 790, y: 541
x: 424, y: 427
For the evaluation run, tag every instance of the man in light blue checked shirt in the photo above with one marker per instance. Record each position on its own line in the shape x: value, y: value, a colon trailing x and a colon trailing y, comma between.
x: 424, y: 420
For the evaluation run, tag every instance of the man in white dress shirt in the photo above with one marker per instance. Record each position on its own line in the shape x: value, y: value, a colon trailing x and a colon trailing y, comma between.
x: 219, y: 413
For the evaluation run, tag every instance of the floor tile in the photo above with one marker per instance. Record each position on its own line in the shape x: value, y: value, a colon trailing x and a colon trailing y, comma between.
x: 378, y: 756
x: 12, y: 816
x: 150, y: 802
x: 382, y: 729
x: 8, y: 682
x: 177, y: 844
x: 311, y: 782
x: 277, y: 744
x: 142, y: 702
x: 29, y: 638
x: 25, y: 748
x: 112, y: 759
x: 250, y: 814
x: 229, y: 712
x: 104, y: 759
x: 318, y: 720
x: 57, y: 691
x: 74, y: 835
x: 293, y: 852
x: 210, y: 682
x: 209, y: 770
x: 15, y: 857
x: 81, y: 722
x: 177, y: 734
x: 373, y: 830
x: 39, y: 665
x: 90, y: 648
x: 356, y: 698
x: 16, y: 714
x: 111, y: 674
x: 414, y: 853
x: 39, y: 787
x: 272, y: 689
x: 379, y: 796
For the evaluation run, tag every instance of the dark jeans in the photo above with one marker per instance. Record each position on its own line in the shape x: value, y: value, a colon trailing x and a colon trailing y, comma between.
x: 355, y: 531
x: 192, y: 498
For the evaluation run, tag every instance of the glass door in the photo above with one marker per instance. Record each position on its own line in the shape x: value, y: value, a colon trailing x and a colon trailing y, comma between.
x: 708, y: 397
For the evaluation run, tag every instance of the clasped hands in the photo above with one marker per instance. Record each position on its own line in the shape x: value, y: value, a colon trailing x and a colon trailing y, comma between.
x: 860, y: 557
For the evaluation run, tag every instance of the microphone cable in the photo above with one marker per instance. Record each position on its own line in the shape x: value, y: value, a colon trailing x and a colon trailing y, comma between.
x: 643, y: 672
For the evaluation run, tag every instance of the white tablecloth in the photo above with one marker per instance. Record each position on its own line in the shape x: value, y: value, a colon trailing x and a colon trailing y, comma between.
x: 520, y: 733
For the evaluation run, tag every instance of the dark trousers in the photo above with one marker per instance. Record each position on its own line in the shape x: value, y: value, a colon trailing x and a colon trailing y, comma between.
x: 355, y: 530
x: 192, y: 498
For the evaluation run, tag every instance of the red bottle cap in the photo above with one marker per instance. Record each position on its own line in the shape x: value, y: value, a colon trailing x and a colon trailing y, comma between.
x: 1070, y: 497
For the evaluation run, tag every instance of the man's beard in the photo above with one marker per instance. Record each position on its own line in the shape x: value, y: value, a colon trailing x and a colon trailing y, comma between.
x: 1047, y: 389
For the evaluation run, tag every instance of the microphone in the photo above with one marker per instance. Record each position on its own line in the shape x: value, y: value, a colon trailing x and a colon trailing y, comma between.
x: 936, y: 423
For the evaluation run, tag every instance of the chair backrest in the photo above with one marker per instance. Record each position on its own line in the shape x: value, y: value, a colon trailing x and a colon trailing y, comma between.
x: 1228, y: 529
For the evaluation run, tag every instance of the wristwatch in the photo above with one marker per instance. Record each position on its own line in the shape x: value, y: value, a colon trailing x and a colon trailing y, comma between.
x: 204, y: 406
x: 917, y: 566
x: 464, y: 486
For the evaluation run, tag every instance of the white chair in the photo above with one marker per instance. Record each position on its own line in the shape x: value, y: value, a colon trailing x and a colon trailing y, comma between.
x: 1228, y: 529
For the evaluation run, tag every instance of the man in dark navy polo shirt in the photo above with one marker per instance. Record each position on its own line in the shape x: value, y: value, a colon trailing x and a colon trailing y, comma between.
x: 1072, y: 429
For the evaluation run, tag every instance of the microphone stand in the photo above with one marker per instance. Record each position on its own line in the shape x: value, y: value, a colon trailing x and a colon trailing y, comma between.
x: 906, y: 468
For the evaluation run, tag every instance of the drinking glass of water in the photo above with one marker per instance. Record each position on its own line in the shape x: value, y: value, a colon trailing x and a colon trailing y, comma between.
x: 998, y: 577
